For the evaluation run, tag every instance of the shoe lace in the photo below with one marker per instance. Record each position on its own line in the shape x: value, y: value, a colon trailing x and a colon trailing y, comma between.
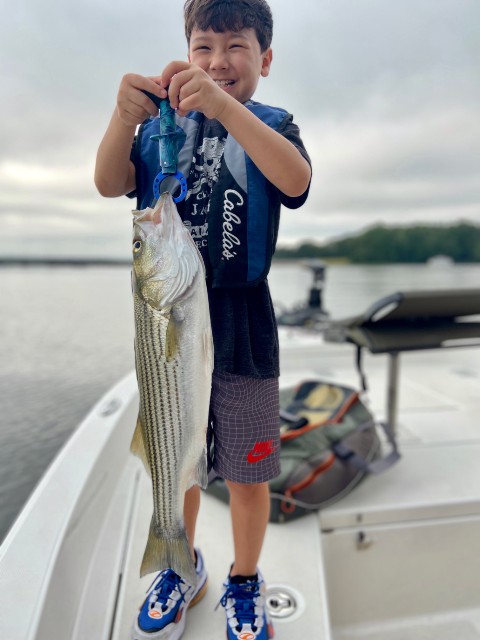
x: 244, y: 597
x: 168, y: 583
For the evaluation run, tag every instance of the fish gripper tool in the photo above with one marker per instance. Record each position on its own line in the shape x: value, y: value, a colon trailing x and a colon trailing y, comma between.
x: 170, y: 141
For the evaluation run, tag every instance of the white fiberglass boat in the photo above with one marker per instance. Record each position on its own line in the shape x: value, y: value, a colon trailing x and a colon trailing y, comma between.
x: 398, y: 558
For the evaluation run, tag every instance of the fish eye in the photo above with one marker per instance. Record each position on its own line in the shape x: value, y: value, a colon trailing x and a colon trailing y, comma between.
x: 137, y: 246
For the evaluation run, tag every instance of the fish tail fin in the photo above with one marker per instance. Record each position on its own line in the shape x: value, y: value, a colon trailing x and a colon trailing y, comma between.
x: 137, y: 445
x: 168, y: 553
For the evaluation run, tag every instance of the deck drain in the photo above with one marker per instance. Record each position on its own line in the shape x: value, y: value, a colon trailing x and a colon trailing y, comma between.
x: 284, y: 603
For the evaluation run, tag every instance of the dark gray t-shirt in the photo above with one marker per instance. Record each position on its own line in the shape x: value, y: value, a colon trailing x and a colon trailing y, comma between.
x: 243, y: 320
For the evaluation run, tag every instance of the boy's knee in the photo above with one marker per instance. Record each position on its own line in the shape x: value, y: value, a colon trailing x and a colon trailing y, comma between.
x: 247, y: 491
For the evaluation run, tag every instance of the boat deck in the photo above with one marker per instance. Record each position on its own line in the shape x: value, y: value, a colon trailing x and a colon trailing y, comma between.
x: 439, y: 436
x: 300, y: 574
x: 398, y: 557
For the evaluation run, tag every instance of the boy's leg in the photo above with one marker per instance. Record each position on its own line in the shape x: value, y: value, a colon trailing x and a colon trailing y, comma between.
x: 244, y: 589
x: 246, y: 437
x: 190, y: 514
x: 250, y: 509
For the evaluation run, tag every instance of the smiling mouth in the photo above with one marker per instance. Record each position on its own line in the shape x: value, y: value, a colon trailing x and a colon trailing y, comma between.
x: 225, y: 83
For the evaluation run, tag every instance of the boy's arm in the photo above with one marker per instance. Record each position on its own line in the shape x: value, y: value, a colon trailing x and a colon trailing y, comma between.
x: 114, y: 172
x: 276, y: 157
x: 191, y: 89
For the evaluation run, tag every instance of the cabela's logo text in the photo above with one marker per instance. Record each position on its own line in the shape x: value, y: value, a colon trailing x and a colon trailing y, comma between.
x: 230, y: 219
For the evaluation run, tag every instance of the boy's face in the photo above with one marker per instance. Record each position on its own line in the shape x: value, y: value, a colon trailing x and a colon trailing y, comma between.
x: 232, y: 58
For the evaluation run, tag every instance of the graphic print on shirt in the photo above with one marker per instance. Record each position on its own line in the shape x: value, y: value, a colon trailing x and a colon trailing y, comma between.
x: 204, y: 174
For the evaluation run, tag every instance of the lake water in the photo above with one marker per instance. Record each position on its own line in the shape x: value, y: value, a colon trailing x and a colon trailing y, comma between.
x: 66, y: 336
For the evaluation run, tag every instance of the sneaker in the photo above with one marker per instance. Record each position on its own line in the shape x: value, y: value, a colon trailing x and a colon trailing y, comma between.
x: 244, y: 605
x: 162, y: 615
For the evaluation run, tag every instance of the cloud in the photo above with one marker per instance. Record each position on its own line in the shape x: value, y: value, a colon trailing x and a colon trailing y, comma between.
x: 415, y: 168
x: 387, y: 95
x: 419, y: 160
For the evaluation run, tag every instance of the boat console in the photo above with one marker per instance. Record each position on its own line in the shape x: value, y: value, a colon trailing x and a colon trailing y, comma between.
x: 410, y: 321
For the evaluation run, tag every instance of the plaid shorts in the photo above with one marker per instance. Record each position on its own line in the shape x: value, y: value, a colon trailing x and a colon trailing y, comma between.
x: 245, y: 423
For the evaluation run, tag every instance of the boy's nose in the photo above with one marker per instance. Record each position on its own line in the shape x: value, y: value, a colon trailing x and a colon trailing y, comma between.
x: 218, y: 60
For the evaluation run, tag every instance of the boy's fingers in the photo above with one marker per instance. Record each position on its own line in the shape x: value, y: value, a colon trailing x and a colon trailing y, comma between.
x: 180, y: 87
x: 139, y: 105
x: 172, y: 69
x: 155, y: 86
x: 132, y: 98
x: 143, y: 84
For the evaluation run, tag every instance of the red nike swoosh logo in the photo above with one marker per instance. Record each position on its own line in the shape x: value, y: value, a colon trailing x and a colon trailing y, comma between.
x: 260, y: 451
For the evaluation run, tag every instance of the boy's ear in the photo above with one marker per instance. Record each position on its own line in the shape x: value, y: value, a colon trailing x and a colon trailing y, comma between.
x: 266, y: 62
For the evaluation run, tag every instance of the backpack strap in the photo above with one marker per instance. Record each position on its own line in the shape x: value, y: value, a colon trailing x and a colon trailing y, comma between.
x: 345, y: 454
x: 294, y: 421
x: 361, y: 372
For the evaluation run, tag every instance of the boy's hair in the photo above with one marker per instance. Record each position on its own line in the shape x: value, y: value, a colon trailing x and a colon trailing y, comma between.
x: 230, y: 15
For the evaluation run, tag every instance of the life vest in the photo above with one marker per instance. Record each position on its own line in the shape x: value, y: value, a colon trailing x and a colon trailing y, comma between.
x: 242, y: 223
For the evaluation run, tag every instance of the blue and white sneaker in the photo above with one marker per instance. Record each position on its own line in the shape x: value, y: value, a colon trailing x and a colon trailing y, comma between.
x: 244, y: 605
x: 162, y: 615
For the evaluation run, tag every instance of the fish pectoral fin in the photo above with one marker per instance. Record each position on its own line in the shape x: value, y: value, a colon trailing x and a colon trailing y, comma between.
x: 171, y: 340
x: 137, y: 446
x: 173, y: 552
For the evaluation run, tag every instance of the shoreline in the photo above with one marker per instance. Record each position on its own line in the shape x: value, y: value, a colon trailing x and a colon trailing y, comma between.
x: 64, y: 262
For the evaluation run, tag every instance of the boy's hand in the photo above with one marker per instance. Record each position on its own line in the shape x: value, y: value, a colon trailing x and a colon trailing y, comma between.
x: 190, y: 88
x: 133, y: 106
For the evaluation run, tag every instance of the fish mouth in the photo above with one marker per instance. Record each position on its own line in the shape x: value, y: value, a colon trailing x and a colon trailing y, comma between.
x: 149, y: 214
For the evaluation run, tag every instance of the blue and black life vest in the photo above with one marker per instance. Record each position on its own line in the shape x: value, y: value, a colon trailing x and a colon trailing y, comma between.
x: 242, y: 221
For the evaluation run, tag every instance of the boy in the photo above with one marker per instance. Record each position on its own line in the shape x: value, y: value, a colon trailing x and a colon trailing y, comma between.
x: 232, y: 208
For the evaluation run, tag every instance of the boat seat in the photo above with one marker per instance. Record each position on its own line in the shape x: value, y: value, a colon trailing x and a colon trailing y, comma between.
x: 410, y: 321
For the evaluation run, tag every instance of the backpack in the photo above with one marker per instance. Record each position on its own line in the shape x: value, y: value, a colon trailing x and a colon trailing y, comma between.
x: 329, y: 443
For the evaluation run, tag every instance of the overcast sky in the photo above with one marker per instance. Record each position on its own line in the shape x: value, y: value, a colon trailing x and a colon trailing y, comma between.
x: 386, y: 93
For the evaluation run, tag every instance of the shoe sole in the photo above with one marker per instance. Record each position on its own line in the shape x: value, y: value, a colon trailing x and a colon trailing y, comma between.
x: 200, y: 594
x: 270, y: 633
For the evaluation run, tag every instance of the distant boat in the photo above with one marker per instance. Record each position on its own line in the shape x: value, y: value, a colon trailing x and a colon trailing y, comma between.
x: 440, y: 260
x: 311, y: 314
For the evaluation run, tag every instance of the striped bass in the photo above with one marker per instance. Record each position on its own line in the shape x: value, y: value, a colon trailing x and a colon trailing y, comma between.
x: 174, y: 362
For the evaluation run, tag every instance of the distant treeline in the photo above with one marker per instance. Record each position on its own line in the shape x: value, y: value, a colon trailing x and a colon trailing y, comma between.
x: 25, y: 261
x: 380, y: 245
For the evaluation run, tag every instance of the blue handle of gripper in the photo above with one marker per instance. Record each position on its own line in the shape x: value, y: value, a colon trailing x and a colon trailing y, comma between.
x: 160, y: 177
